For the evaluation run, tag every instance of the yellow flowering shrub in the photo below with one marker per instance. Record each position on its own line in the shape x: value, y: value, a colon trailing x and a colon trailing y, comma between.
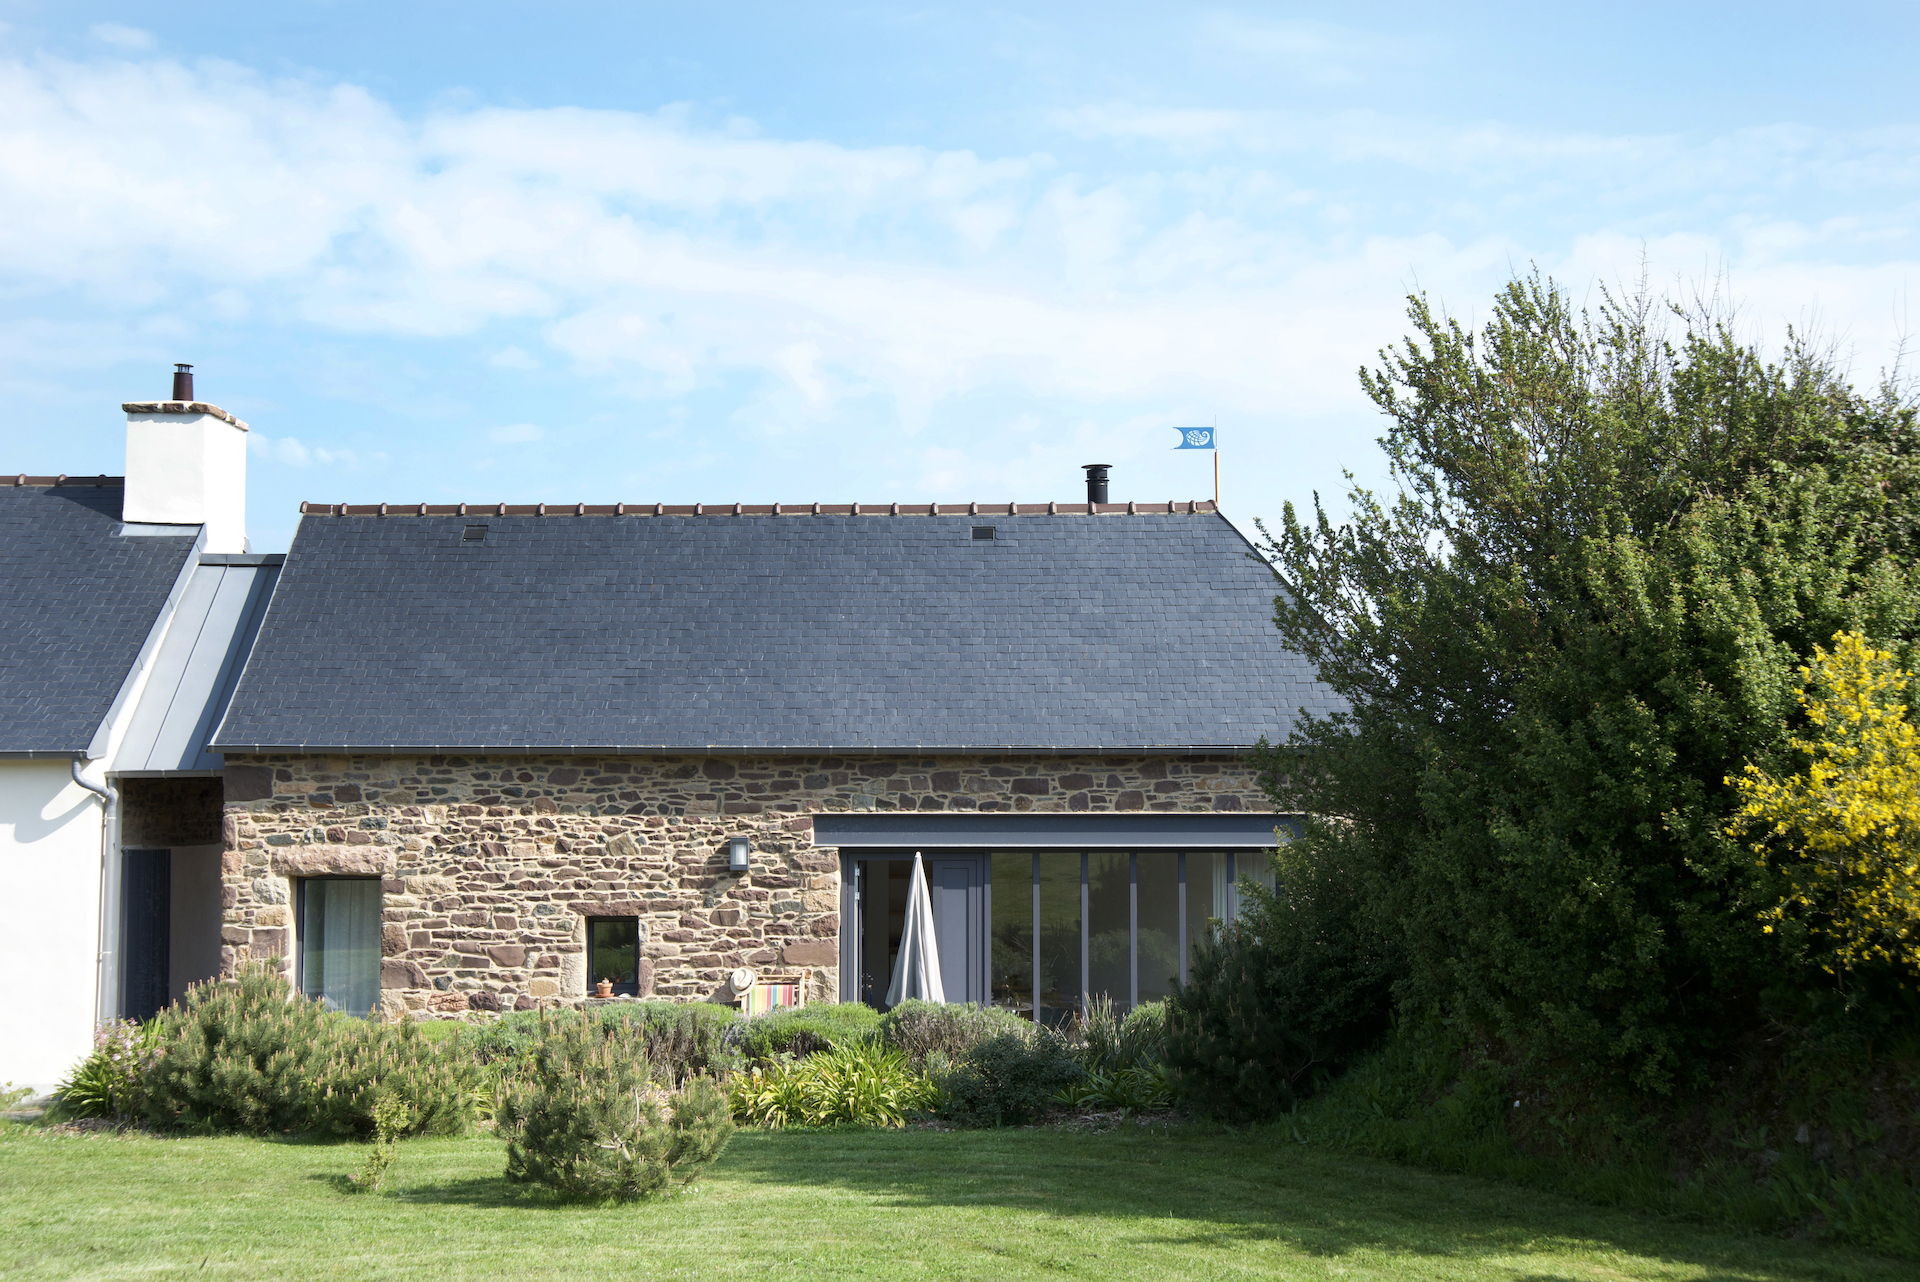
x: 1849, y: 823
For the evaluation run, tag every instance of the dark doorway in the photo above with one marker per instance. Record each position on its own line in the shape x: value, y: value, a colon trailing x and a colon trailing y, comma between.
x: 146, y: 905
x: 956, y: 887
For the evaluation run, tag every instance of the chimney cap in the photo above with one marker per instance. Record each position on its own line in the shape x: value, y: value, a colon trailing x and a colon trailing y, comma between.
x: 1090, y: 466
x: 179, y: 368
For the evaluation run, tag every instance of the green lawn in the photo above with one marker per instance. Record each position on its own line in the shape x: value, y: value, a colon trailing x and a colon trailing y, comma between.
x: 1012, y: 1204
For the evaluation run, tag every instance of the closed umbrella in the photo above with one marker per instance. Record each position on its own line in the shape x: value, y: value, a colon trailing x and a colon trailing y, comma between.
x: 916, y: 973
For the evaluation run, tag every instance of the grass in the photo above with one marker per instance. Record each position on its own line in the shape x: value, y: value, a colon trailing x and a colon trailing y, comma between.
x: 993, y: 1205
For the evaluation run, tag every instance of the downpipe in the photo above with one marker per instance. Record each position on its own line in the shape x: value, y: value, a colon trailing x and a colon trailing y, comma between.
x: 106, y: 993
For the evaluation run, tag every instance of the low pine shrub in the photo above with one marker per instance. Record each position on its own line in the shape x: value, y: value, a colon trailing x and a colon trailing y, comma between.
x: 1282, y: 999
x: 354, y: 1065
x: 231, y: 1057
x: 922, y: 1030
x: 587, y: 1122
x: 1009, y: 1080
x: 802, y: 1032
x: 250, y: 1055
x: 860, y: 1082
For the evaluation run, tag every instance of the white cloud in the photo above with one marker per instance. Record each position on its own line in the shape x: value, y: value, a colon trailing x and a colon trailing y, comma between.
x: 290, y: 451
x: 515, y: 434
x: 665, y: 258
x: 131, y: 39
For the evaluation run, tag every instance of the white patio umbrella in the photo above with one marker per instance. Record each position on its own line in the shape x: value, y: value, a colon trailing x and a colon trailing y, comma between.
x: 917, y: 971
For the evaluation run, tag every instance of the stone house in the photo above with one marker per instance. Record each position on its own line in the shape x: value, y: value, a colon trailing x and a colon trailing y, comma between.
x: 484, y: 756
x: 450, y: 758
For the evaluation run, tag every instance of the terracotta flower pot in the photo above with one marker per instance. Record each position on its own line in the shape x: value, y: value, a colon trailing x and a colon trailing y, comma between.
x: 604, y: 988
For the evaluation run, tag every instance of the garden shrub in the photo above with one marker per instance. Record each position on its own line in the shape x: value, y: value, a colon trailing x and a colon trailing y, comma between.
x: 250, y: 1055
x: 922, y: 1029
x: 802, y: 1032
x: 354, y: 1064
x: 586, y: 1120
x: 681, y: 1040
x: 1107, y: 1042
x: 861, y: 1082
x: 1008, y: 1080
x: 231, y: 1057
x: 390, y: 1118
x: 107, y: 1083
x: 1283, y: 997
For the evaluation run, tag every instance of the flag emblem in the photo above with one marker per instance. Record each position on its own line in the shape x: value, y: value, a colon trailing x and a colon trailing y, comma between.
x: 1194, y: 438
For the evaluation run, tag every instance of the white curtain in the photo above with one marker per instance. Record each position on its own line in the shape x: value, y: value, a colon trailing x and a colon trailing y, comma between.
x: 340, y: 943
x: 916, y: 972
x: 1255, y: 866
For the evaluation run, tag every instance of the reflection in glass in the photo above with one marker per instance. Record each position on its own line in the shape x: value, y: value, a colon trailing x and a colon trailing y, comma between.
x: 1207, y: 887
x: 1013, y: 932
x: 1109, y: 938
x: 613, y: 952
x: 1059, y: 937
x: 1159, y: 923
x: 882, y: 893
x: 1255, y: 866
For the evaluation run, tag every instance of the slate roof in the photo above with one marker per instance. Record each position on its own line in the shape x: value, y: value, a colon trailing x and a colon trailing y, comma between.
x: 78, y: 598
x: 848, y: 631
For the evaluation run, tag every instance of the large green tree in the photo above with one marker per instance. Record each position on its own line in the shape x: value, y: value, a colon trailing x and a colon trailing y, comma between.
x: 1617, y: 537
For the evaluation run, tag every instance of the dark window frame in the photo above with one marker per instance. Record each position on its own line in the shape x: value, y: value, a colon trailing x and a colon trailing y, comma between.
x: 629, y: 988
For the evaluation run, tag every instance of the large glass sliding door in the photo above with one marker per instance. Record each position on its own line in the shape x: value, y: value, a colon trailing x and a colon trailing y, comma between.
x: 1069, y: 927
x: 1056, y: 914
x: 1012, y: 928
x: 1158, y: 937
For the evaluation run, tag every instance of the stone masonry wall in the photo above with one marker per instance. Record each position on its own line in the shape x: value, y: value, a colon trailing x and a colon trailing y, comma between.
x: 491, y: 865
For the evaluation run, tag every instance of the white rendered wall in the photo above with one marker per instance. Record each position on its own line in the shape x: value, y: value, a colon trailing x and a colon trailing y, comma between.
x: 49, y: 920
x: 188, y: 469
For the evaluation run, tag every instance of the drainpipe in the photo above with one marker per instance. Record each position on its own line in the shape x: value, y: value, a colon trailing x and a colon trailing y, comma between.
x: 106, y: 1000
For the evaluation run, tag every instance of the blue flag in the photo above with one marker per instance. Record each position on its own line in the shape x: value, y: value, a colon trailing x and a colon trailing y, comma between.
x: 1194, y: 438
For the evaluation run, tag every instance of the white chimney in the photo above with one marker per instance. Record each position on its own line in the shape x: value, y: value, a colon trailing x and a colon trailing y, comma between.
x: 187, y: 465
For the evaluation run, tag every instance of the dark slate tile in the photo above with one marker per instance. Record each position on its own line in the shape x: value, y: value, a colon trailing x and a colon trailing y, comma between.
x: 77, y: 600
x: 829, y: 631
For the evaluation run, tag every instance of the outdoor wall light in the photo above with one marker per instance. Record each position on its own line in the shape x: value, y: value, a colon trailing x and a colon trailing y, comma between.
x: 736, y: 854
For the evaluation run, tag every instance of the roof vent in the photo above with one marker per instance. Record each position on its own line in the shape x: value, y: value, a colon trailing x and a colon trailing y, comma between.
x: 983, y: 531
x: 183, y: 382
x: 1096, y: 481
x: 474, y: 534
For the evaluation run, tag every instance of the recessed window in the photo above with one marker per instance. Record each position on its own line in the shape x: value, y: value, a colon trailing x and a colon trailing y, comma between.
x: 340, y: 942
x: 983, y: 531
x: 613, y: 953
x: 474, y: 534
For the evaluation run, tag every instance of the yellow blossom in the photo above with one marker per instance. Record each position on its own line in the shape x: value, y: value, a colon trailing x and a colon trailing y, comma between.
x: 1847, y: 827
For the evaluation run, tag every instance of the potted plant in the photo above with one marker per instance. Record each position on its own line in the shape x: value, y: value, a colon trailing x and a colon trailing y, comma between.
x: 604, y: 988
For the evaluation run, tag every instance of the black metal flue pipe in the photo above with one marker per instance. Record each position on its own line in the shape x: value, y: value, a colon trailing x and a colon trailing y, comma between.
x: 1096, y: 481
x: 183, y: 382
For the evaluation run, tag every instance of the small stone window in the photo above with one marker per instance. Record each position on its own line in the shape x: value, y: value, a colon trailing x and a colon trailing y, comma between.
x: 613, y: 953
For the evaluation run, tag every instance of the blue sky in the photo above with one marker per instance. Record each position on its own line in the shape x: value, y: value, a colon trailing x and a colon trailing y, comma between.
x: 865, y: 253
